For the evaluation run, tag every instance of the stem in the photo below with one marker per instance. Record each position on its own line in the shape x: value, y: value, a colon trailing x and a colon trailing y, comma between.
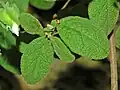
x: 113, y: 63
x: 66, y: 4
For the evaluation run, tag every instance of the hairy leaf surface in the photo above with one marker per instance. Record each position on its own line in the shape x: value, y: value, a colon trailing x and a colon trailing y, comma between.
x: 83, y: 38
x: 104, y: 14
x: 31, y: 24
x: 36, y: 59
x: 61, y: 50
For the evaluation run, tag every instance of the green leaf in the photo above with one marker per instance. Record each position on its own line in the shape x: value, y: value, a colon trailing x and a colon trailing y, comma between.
x: 13, y: 12
x: 6, y: 65
x: 117, y: 38
x: 61, y: 50
x: 6, y: 38
x: 22, y: 46
x: 53, y: 23
x: 49, y: 28
x: 31, y: 24
x: 21, y: 4
x: 36, y: 59
x: 83, y: 38
x: 4, y: 17
x: 104, y: 14
x: 43, y: 4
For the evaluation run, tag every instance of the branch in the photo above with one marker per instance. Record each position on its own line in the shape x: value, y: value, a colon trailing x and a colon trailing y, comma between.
x: 65, y: 4
x: 113, y: 63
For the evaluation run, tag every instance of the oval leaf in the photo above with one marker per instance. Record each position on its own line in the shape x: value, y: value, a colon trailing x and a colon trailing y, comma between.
x: 31, y: 24
x: 104, y: 14
x: 43, y: 4
x: 61, y: 50
x: 80, y: 35
x: 36, y: 59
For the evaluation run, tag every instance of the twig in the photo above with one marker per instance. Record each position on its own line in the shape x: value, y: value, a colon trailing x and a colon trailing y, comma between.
x: 113, y: 63
x: 66, y: 4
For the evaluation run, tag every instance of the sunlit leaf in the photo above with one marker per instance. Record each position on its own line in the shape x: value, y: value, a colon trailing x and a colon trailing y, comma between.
x: 104, y: 14
x: 83, y: 38
x: 31, y: 24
